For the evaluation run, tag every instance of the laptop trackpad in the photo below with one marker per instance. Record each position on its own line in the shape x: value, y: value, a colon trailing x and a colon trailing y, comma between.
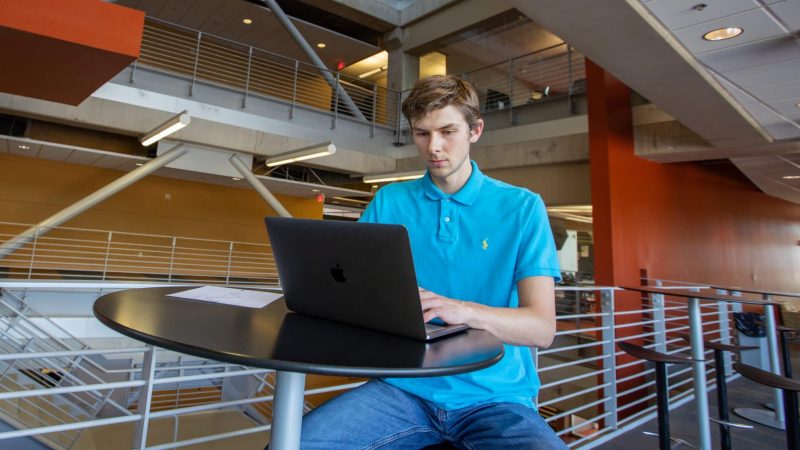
x: 433, y: 331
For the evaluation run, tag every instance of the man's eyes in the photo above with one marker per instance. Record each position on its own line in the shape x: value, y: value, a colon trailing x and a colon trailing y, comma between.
x: 425, y: 133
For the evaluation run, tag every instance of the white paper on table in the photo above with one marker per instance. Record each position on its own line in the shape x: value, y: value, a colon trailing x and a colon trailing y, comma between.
x: 229, y: 296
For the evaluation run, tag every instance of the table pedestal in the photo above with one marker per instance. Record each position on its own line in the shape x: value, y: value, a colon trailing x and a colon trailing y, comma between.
x: 287, y: 411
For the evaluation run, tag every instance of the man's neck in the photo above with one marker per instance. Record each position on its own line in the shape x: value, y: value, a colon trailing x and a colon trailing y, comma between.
x: 456, y: 181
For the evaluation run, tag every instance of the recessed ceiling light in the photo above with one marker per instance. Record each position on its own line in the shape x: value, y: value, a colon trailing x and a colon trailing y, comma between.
x: 139, y: 164
x: 321, y: 45
x: 247, y: 21
x: 791, y: 177
x: 720, y: 34
x: 24, y: 147
x: 236, y: 179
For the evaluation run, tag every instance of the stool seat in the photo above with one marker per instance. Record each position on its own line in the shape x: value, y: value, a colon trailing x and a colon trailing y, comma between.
x: 652, y: 355
x: 789, y: 389
x: 767, y: 378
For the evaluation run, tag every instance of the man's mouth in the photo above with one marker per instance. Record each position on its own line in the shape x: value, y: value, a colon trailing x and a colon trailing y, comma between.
x: 438, y: 162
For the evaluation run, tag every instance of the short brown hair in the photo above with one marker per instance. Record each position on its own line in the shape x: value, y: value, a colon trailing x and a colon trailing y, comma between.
x: 436, y: 92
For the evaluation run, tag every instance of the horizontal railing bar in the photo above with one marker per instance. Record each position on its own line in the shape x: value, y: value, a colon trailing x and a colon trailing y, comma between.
x: 67, y: 353
x: 70, y: 426
x: 575, y: 378
x: 70, y: 389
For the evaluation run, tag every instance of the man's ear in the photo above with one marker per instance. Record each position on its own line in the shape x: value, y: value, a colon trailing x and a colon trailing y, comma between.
x: 476, y: 131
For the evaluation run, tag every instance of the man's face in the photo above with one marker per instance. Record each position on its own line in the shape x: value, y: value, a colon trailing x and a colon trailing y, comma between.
x: 443, y: 139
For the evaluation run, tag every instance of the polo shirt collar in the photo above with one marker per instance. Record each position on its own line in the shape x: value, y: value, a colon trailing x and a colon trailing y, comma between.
x: 466, y: 195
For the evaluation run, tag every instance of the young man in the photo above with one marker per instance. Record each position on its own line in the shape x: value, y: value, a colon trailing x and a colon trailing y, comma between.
x: 484, y: 256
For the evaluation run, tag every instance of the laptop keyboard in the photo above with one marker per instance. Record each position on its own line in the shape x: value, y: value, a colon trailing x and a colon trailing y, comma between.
x: 431, y: 327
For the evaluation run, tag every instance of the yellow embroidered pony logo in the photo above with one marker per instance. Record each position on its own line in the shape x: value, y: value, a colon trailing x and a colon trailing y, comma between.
x: 485, y: 244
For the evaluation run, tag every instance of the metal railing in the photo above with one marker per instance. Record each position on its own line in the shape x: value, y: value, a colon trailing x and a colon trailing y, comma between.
x: 590, y: 391
x: 49, y: 385
x: 551, y: 73
x: 554, y: 72
x: 204, y: 58
x: 87, y: 254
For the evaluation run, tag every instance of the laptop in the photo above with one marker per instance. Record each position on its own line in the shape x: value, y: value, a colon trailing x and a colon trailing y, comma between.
x: 355, y: 273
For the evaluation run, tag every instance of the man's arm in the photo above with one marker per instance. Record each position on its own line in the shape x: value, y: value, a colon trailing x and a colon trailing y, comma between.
x: 533, y: 323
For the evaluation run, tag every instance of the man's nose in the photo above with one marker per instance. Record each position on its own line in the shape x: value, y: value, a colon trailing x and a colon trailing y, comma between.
x: 435, y: 143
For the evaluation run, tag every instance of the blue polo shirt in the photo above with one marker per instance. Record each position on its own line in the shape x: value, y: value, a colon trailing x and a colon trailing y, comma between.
x: 473, y: 245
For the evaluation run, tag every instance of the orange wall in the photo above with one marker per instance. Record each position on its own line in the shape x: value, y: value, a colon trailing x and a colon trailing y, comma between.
x: 692, y: 222
x: 32, y: 189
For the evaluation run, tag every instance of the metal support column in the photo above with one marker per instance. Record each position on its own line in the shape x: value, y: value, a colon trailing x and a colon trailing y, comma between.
x: 260, y: 188
x: 91, y: 200
x: 312, y: 55
x: 287, y: 413
x: 699, y: 371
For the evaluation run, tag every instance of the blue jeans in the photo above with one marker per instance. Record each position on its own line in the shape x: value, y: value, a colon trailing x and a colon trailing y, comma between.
x: 378, y: 415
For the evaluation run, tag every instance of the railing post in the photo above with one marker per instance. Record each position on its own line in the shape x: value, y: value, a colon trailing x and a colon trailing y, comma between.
x: 724, y: 335
x: 511, y: 91
x: 569, y: 81
x: 399, y: 116
x: 171, y: 259
x: 336, y: 101
x: 374, y: 109
x: 33, y: 251
x: 247, y: 77
x: 145, y: 399
x: 610, y: 361
x: 659, y: 322
x: 196, y: 62
x: 108, y: 252
x: 230, y: 257
x: 133, y: 71
x: 294, y: 88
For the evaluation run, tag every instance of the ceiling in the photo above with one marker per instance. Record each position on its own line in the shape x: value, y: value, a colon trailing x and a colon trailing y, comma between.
x: 739, y: 95
x: 760, y: 68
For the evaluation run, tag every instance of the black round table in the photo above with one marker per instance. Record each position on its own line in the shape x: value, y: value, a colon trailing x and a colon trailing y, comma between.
x: 292, y: 344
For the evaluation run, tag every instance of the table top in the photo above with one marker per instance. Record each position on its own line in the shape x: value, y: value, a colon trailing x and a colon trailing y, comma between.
x: 685, y: 293
x: 275, y: 338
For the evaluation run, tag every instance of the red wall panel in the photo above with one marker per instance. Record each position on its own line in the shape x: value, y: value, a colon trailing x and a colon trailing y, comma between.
x: 695, y: 222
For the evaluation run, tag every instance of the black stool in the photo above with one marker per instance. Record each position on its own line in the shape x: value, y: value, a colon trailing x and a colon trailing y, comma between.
x: 789, y: 387
x: 662, y: 387
x: 722, y: 388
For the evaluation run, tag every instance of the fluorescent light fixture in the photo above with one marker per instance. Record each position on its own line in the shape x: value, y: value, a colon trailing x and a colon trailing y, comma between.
x: 791, y: 177
x: 720, y: 34
x: 301, y: 154
x: 165, y: 129
x: 373, y: 71
x: 393, y: 176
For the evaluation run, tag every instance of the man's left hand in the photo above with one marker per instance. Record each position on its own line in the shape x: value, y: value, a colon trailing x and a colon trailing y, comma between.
x: 449, y: 310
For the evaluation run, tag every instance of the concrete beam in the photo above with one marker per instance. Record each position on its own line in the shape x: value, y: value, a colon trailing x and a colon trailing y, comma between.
x: 127, y: 110
x: 421, y: 36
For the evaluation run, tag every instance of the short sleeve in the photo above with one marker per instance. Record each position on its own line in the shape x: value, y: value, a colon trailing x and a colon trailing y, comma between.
x: 370, y: 214
x: 537, y: 254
